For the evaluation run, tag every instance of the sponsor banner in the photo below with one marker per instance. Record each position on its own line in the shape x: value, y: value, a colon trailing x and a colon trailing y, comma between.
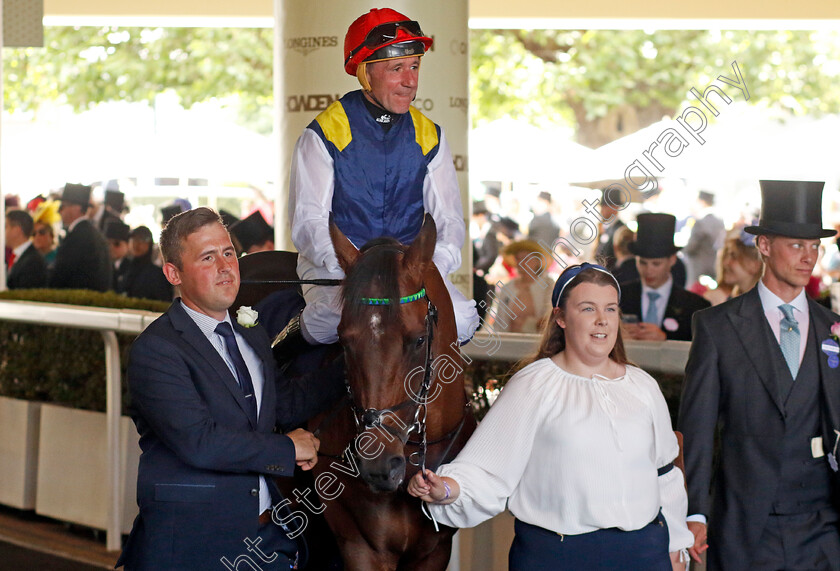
x: 310, y: 75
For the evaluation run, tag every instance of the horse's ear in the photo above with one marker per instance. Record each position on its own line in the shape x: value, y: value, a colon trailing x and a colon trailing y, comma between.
x: 345, y: 251
x: 423, y: 247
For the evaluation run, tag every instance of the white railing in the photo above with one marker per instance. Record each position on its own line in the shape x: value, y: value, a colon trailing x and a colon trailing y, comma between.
x: 664, y: 356
x: 668, y: 356
x: 108, y: 322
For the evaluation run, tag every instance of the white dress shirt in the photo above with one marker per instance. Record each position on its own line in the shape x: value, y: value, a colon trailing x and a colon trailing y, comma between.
x: 572, y: 455
x: 770, y: 302
x: 664, y: 292
x: 208, y: 327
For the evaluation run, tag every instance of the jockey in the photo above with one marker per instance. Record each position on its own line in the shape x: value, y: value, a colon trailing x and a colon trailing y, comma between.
x: 377, y: 164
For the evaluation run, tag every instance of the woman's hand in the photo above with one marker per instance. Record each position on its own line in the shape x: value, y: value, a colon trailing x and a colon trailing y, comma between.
x: 432, y: 488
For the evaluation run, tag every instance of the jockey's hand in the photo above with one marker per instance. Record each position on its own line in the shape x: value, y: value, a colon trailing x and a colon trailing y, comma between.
x: 432, y: 488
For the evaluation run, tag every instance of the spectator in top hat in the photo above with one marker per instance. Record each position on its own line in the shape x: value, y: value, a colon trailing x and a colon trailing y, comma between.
x: 542, y: 227
x: 663, y: 309
x: 227, y: 218
x: 493, y: 198
x: 485, y: 241
x: 705, y: 240
x: 760, y: 409
x: 142, y: 277
x: 26, y: 267
x: 112, y: 208
x: 82, y: 260
x: 168, y: 212
x: 253, y: 234
x: 611, y: 203
x: 116, y: 232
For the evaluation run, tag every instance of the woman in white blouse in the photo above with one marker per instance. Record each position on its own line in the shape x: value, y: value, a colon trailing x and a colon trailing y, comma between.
x: 579, y: 447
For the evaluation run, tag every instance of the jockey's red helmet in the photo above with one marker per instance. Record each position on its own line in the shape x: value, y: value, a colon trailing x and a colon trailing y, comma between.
x: 382, y: 34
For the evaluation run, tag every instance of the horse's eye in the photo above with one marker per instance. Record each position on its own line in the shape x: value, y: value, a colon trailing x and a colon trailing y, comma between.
x: 420, y: 342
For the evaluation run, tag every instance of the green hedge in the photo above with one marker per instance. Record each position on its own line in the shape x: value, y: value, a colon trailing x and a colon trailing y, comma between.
x: 61, y: 365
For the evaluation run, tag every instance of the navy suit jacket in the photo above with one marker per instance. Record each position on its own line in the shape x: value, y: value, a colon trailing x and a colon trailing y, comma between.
x: 202, y: 455
x: 28, y: 271
x: 681, y: 305
x: 82, y: 260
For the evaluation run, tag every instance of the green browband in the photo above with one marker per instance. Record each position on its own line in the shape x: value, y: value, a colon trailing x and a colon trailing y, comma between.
x: 388, y: 300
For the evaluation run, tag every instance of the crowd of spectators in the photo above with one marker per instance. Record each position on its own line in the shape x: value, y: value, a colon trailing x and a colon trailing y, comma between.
x: 714, y: 261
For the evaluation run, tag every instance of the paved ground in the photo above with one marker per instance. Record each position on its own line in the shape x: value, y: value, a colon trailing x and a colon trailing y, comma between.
x: 14, y: 558
x: 29, y: 542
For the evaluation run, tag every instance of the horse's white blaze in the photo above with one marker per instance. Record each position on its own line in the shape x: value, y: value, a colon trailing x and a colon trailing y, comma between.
x: 376, y: 326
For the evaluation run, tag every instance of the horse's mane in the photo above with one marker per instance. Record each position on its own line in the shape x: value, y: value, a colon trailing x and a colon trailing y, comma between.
x: 375, y: 274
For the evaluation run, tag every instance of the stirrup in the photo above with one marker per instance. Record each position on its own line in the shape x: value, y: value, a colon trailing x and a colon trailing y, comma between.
x: 289, y: 342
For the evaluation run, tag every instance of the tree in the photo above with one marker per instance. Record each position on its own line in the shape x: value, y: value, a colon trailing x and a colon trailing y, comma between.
x: 608, y: 83
x: 83, y: 66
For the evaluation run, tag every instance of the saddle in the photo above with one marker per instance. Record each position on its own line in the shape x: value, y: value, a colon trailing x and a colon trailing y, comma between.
x: 268, y: 284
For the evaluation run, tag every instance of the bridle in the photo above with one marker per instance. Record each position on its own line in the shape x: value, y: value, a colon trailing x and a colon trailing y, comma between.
x: 367, y: 418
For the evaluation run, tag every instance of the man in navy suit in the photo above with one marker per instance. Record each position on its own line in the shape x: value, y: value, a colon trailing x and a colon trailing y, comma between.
x: 82, y: 260
x: 662, y: 308
x: 209, y: 407
x: 27, y: 268
x: 760, y: 409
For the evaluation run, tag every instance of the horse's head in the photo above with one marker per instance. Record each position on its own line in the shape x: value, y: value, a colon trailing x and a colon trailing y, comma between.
x: 385, y: 328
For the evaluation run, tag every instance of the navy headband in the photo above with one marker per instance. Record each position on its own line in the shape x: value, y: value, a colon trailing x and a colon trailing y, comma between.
x: 571, y: 273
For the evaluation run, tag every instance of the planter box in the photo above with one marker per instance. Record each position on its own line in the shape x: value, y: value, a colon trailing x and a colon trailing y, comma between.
x: 19, y: 425
x: 73, y: 467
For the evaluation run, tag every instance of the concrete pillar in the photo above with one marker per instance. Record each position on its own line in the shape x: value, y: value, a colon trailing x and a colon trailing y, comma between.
x: 309, y: 75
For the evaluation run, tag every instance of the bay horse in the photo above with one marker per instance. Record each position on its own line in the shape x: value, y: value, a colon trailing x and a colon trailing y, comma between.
x: 406, y: 405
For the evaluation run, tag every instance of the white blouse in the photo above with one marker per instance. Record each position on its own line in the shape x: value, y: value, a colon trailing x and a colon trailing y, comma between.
x: 572, y: 455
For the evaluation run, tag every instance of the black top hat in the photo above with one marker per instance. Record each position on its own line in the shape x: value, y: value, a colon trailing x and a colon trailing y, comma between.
x: 76, y: 194
x: 492, y: 188
x: 655, y: 236
x: 116, y: 230
x: 545, y: 196
x: 252, y: 230
x: 791, y: 208
x: 169, y: 211
x: 228, y: 219
x: 706, y: 196
x: 115, y: 200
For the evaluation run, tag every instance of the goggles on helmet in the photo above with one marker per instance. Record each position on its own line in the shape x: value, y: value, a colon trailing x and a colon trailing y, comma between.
x: 384, y: 33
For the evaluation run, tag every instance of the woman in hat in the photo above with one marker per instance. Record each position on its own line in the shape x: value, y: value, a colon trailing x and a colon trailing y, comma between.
x: 579, y: 447
x: 45, y: 216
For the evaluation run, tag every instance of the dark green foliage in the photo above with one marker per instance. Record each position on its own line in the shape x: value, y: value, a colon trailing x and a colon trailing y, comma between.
x: 59, y: 364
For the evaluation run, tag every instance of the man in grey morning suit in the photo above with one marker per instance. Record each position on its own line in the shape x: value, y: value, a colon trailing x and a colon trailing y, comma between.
x: 763, y: 369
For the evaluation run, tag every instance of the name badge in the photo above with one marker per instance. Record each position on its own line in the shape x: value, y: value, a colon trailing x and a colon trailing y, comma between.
x: 832, y: 351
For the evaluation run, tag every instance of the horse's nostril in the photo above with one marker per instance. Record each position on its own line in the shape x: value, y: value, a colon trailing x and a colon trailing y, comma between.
x: 397, y: 463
